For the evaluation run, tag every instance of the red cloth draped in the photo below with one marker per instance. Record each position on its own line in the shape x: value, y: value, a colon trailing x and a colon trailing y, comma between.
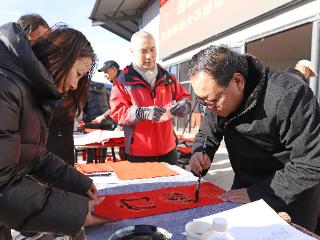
x: 140, y: 204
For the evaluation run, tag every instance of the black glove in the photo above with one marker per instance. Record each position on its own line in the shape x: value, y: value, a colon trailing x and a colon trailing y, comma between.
x: 152, y: 113
x: 181, y: 108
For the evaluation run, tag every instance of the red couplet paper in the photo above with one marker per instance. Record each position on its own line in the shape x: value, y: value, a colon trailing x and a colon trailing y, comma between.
x: 140, y: 204
x: 126, y: 170
x: 93, y: 168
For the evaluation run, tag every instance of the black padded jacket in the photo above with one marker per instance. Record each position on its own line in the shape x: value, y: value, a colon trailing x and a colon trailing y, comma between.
x: 273, y: 143
x: 38, y: 191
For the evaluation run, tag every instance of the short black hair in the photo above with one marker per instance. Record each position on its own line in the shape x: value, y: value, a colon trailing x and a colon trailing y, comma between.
x: 30, y: 22
x: 220, y: 62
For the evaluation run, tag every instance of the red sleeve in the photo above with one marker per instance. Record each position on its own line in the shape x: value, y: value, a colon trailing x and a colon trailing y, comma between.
x: 121, y: 109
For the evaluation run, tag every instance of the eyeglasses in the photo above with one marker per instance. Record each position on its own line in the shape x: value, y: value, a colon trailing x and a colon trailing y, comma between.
x: 212, y: 103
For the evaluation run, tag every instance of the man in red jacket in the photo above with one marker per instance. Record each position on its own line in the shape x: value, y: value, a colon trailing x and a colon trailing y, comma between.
x: 144, y: 99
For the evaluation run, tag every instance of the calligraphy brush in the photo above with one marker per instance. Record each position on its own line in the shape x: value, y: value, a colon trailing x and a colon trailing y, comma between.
x: 198, y: 187
x: 197, y: 193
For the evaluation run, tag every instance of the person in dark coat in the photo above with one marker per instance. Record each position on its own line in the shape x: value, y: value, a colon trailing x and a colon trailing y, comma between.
x: 111, y: 71
x: 97, y: 104
x: 269, y: 120
x: 306, y: 68
x: 33, y: 26
x: 39, y: 191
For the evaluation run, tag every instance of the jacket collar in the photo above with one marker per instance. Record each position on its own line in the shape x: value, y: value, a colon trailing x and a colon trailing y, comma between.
x: 252, y: 92
x: 134, y: 77
x: 297, y: 72
x: 20, y: 60
x: 252, y: 97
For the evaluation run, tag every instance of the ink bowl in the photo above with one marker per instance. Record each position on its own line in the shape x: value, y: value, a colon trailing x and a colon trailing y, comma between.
x: 141, y: 232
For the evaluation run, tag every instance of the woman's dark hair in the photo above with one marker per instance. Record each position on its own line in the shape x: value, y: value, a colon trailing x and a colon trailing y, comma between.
x: 220, y: 62
x: 58, y: 51
x: 30, y: 22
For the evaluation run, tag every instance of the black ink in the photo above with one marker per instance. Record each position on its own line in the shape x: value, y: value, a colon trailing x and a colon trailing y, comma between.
x: 136, y: 203
x: 177, y: 197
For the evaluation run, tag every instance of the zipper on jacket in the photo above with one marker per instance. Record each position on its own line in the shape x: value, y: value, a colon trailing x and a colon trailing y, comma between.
x: 59, y: 132
x: 153, y: 94
x: 153, y: 91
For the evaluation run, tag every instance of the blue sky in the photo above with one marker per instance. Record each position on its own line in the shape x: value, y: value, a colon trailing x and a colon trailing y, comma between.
x: 76, y: 14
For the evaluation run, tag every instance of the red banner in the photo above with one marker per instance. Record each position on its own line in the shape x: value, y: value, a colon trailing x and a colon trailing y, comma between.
x: 184, y: 23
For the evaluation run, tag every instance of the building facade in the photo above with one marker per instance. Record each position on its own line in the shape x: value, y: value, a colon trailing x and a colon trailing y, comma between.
x: 279, y: 32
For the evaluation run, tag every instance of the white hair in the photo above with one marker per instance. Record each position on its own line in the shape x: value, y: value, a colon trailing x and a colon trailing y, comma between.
x: 138, y: 35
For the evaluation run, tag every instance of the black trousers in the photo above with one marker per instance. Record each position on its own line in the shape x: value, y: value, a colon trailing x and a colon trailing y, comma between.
x: 5, y: 233
x: 171, y: 158
x: 305, y: 210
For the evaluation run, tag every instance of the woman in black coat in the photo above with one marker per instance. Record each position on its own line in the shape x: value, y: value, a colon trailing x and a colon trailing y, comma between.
x: 39, y: 191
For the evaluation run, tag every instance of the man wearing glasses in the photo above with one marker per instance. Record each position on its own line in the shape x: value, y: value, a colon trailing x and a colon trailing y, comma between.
x: 270, y: 123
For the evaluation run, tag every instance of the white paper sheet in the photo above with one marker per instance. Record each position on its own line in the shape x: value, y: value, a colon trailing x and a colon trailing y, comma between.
x: 103, y: 180
x: 257, y: 221
x: 96, y: 136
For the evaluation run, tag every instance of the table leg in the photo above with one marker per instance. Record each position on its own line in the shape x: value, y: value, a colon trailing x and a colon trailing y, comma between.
x: 75, y: 155
x: 113, y: 154
x: 122, y: 153
x: 96, y: 155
